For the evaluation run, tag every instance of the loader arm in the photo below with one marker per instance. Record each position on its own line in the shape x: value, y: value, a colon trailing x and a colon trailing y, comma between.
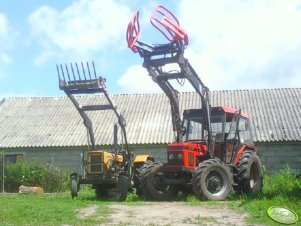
x: 78, y: 79
x: 157, y: 56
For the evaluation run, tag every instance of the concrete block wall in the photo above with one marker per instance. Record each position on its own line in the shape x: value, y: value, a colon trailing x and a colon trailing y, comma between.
x: 276, y: 156
x: 69, y: 159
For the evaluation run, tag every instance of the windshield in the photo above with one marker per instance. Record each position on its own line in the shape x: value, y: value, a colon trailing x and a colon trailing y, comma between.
x: 195, y: 126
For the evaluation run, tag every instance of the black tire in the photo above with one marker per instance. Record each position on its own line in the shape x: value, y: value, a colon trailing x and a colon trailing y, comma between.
x: 136, y: 178
x: 74, y: 188
x: 212, y: 180
x: 121, y: 189
x: 152, y: 186
x: 248, y: 177
x: 101, y: 191
x: 186, y: 191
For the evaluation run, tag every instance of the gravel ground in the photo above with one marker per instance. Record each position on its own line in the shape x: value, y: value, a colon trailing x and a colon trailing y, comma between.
x: 168, y: 214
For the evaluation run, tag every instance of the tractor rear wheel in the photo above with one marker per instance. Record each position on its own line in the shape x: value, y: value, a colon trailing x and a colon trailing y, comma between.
x: 121, y: 190
x: 137, y: 175
x: 212, y: 180
x: 248, y: 176
x: 101, y: 191
x: 74, y: 188
x: 152, y: 186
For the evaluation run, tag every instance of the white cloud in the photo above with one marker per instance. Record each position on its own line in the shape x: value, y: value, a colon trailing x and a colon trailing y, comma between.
x: 7, y: 34
x: 5, y: 43
x: 4, y: 29
x: 83, y: 28
x: 137, y: 80
x: 236, y: 44
x: 4, y: 58
x: 240, y: 44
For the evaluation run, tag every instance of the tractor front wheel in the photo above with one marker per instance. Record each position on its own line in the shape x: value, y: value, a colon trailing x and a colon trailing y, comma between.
x: 121, y: 189
x: 152, y: 183
x: 248, y: 176
x: 137, y: 177
x: 212, y: 180
x: 74, y: 188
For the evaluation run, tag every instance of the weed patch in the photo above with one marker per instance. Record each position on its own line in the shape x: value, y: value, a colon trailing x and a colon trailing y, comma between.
x: 32, y: 209
x: 282, y: 189
x: 30, y: 173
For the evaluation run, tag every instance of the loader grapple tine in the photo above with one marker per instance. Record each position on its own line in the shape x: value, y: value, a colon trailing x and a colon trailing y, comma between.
x: 62, y: 70
x: 78, y: 71
x: 75, y: 84
x: 168, y: 25
x: 94, y: 69
x: 133, y: 32
x: 67, y: 72
x: 61, y: 79
x: 89, y: 70
x: 83, y: 70
x: 71, y: 65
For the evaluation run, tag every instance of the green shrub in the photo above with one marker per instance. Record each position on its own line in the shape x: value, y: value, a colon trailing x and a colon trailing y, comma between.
x: 29, y: 173
x: 284, y: 183
x: 280, y: 189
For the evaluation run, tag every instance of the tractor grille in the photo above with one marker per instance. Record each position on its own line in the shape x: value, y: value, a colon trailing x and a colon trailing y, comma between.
x: 174, y: 158
x: 96, y: 164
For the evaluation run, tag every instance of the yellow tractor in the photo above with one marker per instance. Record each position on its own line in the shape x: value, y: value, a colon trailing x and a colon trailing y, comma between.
x: 112, y: 173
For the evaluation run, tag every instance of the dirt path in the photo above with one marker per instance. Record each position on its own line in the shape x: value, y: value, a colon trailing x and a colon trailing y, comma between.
x: 167, y: 214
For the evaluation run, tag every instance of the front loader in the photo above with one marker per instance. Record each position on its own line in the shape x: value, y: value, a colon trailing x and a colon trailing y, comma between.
x: 110, y: 172
x: 213, y: 150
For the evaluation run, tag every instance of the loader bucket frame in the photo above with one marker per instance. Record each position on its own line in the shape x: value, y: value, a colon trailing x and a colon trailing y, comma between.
x: 166, y: 23
x: 133, y: 32
x: 78, y: 79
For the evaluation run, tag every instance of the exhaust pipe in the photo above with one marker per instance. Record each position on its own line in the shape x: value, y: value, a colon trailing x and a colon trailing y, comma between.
x: 115, y: 141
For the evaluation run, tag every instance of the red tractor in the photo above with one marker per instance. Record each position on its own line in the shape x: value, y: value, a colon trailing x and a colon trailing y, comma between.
x: 213, y: 150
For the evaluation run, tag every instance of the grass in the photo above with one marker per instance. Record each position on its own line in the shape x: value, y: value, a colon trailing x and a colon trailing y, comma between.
x: 56, y: 209
x: 283, y: 189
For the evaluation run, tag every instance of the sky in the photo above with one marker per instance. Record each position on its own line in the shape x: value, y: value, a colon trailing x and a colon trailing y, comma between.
x: 234, y: 44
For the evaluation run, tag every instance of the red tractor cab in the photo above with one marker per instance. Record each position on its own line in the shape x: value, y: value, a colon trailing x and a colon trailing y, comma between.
x: 230, y: 131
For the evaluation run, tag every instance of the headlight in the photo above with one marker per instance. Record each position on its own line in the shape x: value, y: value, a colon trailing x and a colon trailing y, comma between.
x: 171, y: 156
x: 180, y: 156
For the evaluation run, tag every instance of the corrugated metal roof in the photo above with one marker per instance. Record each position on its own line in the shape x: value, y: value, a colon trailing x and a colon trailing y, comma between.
x: 53, y: 121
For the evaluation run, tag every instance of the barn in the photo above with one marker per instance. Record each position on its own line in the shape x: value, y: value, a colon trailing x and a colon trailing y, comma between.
x: 49, y: 129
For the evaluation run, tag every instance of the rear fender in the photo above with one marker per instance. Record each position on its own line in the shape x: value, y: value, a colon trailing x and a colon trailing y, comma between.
x: 142, y: 159
x: 240, y: 152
